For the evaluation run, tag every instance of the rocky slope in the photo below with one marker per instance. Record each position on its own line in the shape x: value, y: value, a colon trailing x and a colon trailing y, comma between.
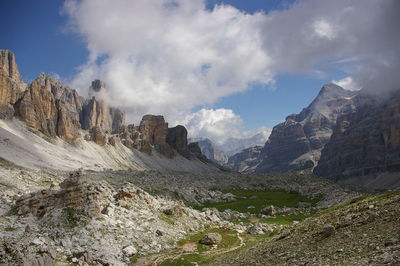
x: 297, y: 143
x: 364, y: 231
x: 54, y: 111
x: 364, y: 150
x: 92, y: 221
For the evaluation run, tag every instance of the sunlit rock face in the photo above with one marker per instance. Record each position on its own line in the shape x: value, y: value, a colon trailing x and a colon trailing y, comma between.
x: 11, y: 84
x: 297, y: 143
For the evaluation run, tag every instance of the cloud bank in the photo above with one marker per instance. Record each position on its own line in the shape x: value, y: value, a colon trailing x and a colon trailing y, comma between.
x: 169, y: 56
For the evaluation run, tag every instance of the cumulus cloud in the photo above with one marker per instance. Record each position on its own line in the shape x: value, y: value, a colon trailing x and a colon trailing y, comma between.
x: 165, y: 56
x: 219, y: 125
x: 216, y: 124
x: 169, y: 56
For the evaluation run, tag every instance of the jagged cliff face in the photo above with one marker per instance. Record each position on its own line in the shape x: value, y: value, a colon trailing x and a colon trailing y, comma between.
x: 297, y: 143
x: 364, y: 143
x: 11, y: 84
x: 51, y: 108
x: 97, y: 113
x: 48, y: 106
x: 246, y: 160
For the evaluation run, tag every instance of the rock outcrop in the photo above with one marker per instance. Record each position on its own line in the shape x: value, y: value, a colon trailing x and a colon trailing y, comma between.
x: 177, y: 137
x: 75, y: 194
x: 365, y: 144
x: 297, y: 143
x: 38, y: 106
x: 246, y: 160
x: 11, y: 84
x: 55, y: 110
x: 153, y: 129
x: 97, y: 113
x: 51, y: 108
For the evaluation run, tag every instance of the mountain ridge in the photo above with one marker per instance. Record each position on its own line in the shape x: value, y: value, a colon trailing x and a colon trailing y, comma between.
x: 52, y: 110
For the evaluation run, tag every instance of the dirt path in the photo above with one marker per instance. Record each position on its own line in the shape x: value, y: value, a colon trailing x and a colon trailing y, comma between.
x: 186, y: 249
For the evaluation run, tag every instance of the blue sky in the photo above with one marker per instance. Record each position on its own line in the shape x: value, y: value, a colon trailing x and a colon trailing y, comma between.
x: 35, y: 30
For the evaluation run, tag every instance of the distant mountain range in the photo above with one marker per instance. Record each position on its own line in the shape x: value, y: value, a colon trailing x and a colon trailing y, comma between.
x: 346, y: 136
x: 221, y: 153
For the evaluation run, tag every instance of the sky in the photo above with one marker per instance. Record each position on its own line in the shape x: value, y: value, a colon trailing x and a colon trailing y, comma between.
x: 224, y: 69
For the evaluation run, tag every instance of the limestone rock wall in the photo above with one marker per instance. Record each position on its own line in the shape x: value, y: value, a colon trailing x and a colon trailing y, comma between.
x: 296, y: 143
x: 364, y: 143
x: 11, y: 84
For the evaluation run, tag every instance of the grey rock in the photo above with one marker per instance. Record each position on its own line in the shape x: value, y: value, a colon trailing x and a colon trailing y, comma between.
x: 211, y: 239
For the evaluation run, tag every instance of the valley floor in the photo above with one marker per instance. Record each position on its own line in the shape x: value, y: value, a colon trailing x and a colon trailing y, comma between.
x: 50, y: 217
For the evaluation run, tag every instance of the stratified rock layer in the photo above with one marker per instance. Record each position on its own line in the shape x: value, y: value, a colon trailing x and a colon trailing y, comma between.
x: 11, y: 84
x: 297, y: 143
x: 364, y: 143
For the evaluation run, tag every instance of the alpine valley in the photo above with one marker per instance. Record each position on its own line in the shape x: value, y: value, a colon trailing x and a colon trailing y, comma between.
x: 80, y: 186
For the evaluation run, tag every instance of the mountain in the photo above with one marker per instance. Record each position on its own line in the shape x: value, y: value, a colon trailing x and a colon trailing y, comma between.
x: 211, y: 150
x: 364, y: 150
x: 234, y: 145
x: 246, y: 160
x: 297, y: 143
x: 48, y: 124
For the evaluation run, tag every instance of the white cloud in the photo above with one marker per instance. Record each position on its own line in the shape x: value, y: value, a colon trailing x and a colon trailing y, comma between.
x: 347, y: 83
x: 164, y: 56
x: 324, y: 29
x: 169, y: 56
x: 215, y: 124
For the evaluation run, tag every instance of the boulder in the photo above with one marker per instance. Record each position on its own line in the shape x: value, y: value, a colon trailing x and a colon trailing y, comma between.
x: 129, y: 251
x: 173, y: 210
x: 269, y: 210
x: 98, y: 136
x: 211, y: 239
x: 327, y: 230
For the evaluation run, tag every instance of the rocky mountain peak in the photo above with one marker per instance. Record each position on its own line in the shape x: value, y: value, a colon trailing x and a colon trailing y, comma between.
x: 297, y: 142
x: 8, y: 65
x: 97, y: 89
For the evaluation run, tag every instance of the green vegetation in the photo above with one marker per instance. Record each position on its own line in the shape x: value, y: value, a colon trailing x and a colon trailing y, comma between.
x: 259, y: 199
x: 205, y: 253
x: 286, y: 219
x: 72, y: 217
x: 10, y: 229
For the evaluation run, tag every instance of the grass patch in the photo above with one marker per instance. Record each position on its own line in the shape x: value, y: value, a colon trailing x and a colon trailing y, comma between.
x: 229, y: 240
x: 10, y: 229
x: 287, y: 219
x: 259, y: 199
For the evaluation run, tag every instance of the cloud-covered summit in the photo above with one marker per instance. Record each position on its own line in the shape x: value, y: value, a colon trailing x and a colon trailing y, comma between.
x: 169, y: 56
